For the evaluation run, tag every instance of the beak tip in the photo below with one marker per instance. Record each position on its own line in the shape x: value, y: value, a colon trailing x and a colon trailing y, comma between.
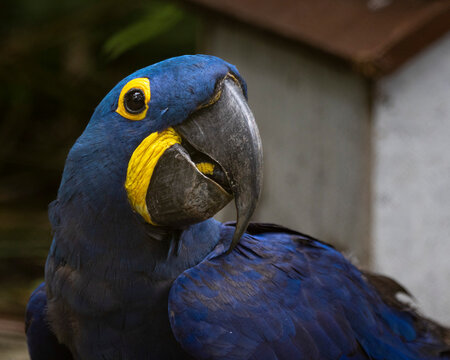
x: 236, y: 238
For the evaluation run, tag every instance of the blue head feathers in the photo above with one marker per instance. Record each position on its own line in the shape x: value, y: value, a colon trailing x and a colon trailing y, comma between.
x: 178, y: 87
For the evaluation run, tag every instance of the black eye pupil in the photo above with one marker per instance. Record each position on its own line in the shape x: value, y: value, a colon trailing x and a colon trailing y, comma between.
x: 134, y: 101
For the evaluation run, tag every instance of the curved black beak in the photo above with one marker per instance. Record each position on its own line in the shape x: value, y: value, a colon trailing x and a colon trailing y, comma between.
x: 227, y: 133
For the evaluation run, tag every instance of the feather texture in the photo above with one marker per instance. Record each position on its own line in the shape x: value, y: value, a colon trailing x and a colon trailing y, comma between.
x: 284, y: 295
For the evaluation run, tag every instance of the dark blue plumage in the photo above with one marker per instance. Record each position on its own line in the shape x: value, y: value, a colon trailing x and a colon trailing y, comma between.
x: 120, y: 288
x: 284, y: 295
x: 42, y: 343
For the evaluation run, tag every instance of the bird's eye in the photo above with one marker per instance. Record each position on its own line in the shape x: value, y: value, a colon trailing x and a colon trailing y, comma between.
x: 134, y: 101
x: 134, y: 98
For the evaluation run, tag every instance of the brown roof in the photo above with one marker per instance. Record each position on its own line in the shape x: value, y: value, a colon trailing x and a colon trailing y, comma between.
x: 376, y: 36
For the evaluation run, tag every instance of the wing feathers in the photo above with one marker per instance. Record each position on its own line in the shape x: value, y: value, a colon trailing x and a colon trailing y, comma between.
x: 283, y: 295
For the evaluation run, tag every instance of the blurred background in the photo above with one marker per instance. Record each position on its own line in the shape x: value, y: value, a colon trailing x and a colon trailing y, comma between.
x: 351, y: 99
x: 58, y: 59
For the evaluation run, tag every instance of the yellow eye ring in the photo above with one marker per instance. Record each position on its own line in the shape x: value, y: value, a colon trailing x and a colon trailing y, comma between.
x: 136, y: 93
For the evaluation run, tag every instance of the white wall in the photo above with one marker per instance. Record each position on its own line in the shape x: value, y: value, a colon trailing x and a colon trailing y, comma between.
x: 412, y: 178
x: 319, y: 143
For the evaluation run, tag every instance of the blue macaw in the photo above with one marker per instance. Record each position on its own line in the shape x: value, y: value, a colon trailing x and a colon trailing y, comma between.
x: 138, y: 269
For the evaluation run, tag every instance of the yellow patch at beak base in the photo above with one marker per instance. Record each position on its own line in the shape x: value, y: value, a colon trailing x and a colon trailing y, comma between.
x: 141, y: 166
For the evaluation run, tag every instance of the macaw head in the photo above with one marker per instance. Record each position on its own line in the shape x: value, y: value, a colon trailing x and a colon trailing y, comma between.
x: 172, y: 143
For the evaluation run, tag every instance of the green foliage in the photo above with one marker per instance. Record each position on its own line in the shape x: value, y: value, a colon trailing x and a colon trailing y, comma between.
x: 158, y: 19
